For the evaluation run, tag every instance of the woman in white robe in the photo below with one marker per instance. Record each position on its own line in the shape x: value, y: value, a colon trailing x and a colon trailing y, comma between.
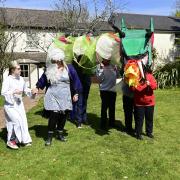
x: 13, y: 88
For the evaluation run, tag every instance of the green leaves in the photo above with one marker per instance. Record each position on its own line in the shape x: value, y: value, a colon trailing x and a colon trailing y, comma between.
x: 168, y: 75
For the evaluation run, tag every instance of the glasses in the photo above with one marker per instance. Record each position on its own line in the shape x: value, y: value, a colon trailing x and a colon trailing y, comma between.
x: 53, y: 61
x: 56, y: 61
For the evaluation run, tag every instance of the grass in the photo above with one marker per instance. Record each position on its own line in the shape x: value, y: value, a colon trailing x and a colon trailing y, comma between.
x: 1, y: 101
x: 93, y: 154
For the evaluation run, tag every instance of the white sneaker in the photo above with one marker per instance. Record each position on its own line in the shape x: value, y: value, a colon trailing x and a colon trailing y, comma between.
x: 12, y: 144
x: 79, y: 127
x: 27, y: 144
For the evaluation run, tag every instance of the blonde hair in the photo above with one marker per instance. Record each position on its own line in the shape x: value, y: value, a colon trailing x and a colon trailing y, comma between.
x: 12, y: 66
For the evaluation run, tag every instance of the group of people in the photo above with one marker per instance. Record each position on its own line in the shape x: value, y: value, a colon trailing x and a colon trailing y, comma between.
x: 67, y: 89
x: 137, y: 100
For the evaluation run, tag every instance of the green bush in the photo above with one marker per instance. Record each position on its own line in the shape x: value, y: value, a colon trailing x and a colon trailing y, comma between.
x: 168, y: 75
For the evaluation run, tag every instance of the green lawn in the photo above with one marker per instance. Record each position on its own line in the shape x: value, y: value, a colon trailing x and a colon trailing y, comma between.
x: 92, y: 154
x: 1, y: 101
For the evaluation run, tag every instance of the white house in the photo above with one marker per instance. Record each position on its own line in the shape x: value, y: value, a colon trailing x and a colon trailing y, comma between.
x: 34, y: 30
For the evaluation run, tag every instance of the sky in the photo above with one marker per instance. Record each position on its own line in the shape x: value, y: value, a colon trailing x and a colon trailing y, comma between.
x: 153, y: 7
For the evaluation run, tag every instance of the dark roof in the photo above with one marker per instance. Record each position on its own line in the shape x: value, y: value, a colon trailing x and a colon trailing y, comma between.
x: 40, y: 19
x: 138, y: 21
x: 36, y: 57
x: 53, y: 19
x: 30, y: 18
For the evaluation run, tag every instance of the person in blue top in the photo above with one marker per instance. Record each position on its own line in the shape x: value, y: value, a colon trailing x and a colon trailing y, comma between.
x: 63, y: 87
x: 79, y: 112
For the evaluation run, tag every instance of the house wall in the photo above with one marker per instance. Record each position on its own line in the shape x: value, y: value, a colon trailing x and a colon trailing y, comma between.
x: 20, y: 40
x: 34, y: 76
x: 164, y: 44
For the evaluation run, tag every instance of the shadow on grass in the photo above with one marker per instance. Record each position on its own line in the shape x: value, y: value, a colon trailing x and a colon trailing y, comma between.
x: 3, y: 134
x: 94, y: 122
x: 43, y: 113
x: 41, y: 131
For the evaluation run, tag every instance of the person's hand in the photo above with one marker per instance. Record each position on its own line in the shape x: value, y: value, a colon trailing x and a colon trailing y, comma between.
x: 148, y: 83
x: 75, y: 98
x: 16, y: 91
x: 101, y: 65
x: 34, y: 91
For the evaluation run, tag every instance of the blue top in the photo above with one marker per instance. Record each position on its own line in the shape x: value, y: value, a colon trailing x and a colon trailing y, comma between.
x: 75, y: 84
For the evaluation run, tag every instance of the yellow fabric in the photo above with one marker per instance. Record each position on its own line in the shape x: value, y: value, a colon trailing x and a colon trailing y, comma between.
x: 132, y: 73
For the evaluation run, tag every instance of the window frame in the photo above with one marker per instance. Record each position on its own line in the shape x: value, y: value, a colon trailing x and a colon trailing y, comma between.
x: 24, y: 71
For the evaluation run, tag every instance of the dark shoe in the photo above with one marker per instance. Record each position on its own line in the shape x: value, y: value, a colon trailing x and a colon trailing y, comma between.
x: 139, y: 137
x: 150, y: 135
x: 85, y: 122
x: 130, y: 132
x: 49, y: 139
x: 103, y: 128
x: 112, y: 125
x: 128, y: 129
x: 61, y: 137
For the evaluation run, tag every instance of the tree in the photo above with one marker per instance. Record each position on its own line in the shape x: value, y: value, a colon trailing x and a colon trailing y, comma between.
x: 75, y: 17
x: 8, y: 40
x: 177, y: 12
x: 83, y: 13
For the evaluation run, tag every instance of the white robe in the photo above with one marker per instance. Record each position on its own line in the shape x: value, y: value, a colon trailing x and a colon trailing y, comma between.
x: 14, y: 108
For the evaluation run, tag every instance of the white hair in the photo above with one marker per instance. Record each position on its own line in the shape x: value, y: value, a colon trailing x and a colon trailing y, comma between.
x: 52, y: 72
x: 14, y: 64
x: 55, y: 53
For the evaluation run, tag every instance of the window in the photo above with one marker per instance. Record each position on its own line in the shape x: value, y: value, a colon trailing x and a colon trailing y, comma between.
x: 177, y: 44
x: 24, y: 70
x: 32, y: 40
x: 177, y: 40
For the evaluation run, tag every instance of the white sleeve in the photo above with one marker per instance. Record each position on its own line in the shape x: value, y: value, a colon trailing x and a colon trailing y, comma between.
x: 26, y: 90
x: 6, y: 92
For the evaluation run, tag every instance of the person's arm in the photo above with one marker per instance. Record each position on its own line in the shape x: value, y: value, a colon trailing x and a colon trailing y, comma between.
x: 117, y: 69
x: 6, y: 92
x: 75, y: 81
x: 141, y: 87
x: 42, y: 82
x: 152, y: 82
x: 100, y: 72
x: 26, y: 90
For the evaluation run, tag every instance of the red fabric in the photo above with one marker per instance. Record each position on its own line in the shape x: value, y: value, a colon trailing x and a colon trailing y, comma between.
x: 64, y: 40
x: 152, y: 39
x: 143, y: 94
